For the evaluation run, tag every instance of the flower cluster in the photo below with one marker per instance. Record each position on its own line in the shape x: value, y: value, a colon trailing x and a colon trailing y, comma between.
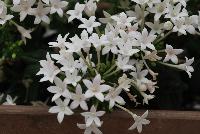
x: 111, y: 56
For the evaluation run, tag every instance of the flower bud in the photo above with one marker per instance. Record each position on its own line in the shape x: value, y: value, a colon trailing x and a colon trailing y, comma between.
x: 168, y: 25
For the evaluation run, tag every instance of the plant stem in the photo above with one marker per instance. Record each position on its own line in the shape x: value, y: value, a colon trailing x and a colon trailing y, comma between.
x: 99, y: 60
x: 111, y: 68
x: 110, y: 74
x: 81, y: 55
x: 126, y: 110
x: 89, y: 58
x: 162, y: 38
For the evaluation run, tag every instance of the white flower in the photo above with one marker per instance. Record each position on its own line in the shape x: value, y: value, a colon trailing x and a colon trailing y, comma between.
x: 122, y: 20
x: 40, y: 13
x: 62, y: 109
x: 46, y: 1
x: 4, y: 17
x: 156, y: 27
x: 58, y: 6
x: 15, y: 2
x: 145, y: 39
x: 107, y: 18
x: 168, y: 25
x: 139, y: 121
x: 183, y: 2
x: 98, y: 41
x: 76, y: 13
x: 95, y: 88
x: 93, y: 128
x: 152, y: 56
x: 93, y: 116
x: 123, y: 63
x: 24, y: 7
x: 189, y: 22
x: 59, y: 90
x: 90, y: 7
x: 146, y: 97
x: 89, y: 24
x: 126, y: 49
x: 179, y: 26
x: 176, y: 12
x: 72, y: 78
x: 112, y: 45
x: 61, y: 42
x: 113, y: 97
x: 171, y: 54
x: 9, y: 100
x: 49, y: 70
x: 187, y: 66
x: 24, y: 32
x: 141, y: 2
x: 159, y: 9
x: 78, y: 99
x: 138, y: 13
x: 66, y: 59
x: 124, y: 83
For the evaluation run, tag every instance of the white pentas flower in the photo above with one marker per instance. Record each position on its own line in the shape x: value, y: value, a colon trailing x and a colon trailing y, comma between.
x: 90, y: 7
x: 107, y: 18
x: 187, y: 66
x: 97, y: 41
x: 93, y: 128
x: 122, y: 20
x: 67, y: 60
x: 95, y: 88
x: 10, y: 100
x: 138, y: 13
x: 62, y: 109
x: 145, y: 39
x: 77, y: 12
x: 179, y: 26
x: 58, y: 6
x: 176, y: 12
x: 40, y: 13
x: 93, y: 116
x: 61, y: 42
x: 49, y: 70
x: 4, y: 17
x: 139, y: 121
x: 24, y: 32
x: 123, y: 63
x: 24, y: 8
x: 79, y: 99
x: 156, y: 27
x: 72, y: 78
x: 113, y: 97
x: 60, y: 89
x: 89, y: 24
x: 172, y: 54
x: 159, y: 9
x: 15, y: 2
x: 141, y: 2
x: 124, y: 83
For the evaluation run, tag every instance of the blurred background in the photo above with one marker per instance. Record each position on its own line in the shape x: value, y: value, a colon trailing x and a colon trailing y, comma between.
x: 19, y: 63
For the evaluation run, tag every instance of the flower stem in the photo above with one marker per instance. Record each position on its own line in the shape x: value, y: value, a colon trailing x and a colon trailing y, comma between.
x: 99, y: 60
x: 111, y: 68
x: 125, y: 109
x: 162, y: 38
x: 110, y: 74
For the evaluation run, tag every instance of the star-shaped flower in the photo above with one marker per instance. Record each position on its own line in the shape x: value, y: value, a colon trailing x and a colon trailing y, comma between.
x: 76, y: 13
x: 58, y: 6
x: 95, y: 88
x: 139, y: 121
x: 93, y: 116
x: 171, y: 54
x: 59, y: 90
x: 62, y: 109
x: 78, y: 99
x: 89, y: 24
x: 49, y: 70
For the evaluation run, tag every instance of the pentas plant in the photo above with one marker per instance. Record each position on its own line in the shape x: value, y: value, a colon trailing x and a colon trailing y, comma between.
x: 111, y: 56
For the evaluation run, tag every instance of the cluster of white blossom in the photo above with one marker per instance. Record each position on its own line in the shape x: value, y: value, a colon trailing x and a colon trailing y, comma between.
x: 126, y: 40
x: 8, y: 100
